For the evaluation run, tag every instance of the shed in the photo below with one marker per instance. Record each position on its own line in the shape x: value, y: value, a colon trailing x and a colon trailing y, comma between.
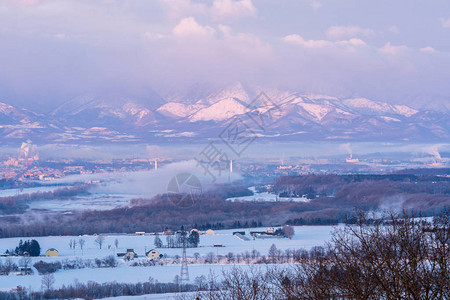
x: 209, y: 232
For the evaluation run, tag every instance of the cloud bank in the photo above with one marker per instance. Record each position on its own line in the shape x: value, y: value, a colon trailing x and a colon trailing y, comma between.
x: 53, y: 51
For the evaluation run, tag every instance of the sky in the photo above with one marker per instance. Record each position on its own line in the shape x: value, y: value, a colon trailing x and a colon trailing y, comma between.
x: 393, y: 51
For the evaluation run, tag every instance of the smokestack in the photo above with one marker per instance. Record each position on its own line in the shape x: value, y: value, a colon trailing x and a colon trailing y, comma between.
x: 156, y: 164
x: 231, y: 166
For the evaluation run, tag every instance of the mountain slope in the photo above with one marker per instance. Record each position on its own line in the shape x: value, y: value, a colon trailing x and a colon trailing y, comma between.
x: 203, y: 115
x: 107, y: 110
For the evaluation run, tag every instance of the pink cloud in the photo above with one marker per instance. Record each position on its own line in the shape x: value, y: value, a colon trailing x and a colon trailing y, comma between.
x: 390, y: 49
x: 188, y: 26
x: 233, y: 9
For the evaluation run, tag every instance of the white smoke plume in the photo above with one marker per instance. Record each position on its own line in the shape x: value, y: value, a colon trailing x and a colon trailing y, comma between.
x: 27, y: 149
x: 434, y: 150
x: 346, y: 147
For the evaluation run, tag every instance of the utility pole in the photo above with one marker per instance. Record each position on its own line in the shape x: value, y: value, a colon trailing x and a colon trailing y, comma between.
x: 184, y: 275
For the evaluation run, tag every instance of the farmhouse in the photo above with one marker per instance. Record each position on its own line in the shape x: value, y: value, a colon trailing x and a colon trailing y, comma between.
x: 153, y: 254
x: 167, y: 232
x: 270, y: 233
x: 52, y: 252
x: 130, y: 254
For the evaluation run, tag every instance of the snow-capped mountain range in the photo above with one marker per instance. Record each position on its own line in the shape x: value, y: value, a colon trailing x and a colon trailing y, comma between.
x: 204, y: 114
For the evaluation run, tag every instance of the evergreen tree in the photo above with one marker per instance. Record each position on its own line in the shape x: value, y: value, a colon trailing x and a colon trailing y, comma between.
x: 31, y: 247
x: 194, y: 239
x: 34, y: 248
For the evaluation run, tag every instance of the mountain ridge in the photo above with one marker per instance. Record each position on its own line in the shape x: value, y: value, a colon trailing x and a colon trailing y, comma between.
x: 118, y: 117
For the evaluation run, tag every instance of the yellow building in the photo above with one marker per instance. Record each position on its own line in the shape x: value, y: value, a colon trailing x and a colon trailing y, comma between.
x: 130, y: 254
x: 152, y: 254
x: 209, y: 232
x: 52, y: 252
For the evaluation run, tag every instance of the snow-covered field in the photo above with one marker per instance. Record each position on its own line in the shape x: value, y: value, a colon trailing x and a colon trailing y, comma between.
x: 266, y: 197
x: 305, y: 237
x: 93, y: 201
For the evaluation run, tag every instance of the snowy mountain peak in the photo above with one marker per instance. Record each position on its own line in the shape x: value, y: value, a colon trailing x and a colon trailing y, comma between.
x: 234, y: 91
x: 368, y: 106
x: 220, y: 111
x: 178, y: 110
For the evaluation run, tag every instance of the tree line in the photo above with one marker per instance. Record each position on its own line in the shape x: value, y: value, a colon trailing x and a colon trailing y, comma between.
x: 18, y: 203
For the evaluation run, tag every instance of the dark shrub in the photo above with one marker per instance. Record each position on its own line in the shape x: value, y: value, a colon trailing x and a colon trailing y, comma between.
x: 47, y: 268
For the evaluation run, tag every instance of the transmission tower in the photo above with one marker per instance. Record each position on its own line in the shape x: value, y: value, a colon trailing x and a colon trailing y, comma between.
x: 184, y: 275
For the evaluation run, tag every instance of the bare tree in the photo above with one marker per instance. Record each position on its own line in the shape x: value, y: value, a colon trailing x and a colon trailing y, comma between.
x: 255, y: 253
x: 116, y: 243
x: 247, y: 257
x: 170, y: 241
x: 158, y: 242
x: 25, y: 264
x: 243, y: 284
x: 48, y: 281
x: 196, y: 256
x: 230, y: 257
x: 81, y: 242
x: 210, y: 257
x: 99, y: 240
x: 273, y: 253
x: 201, y: 282
x: 376, y: 258
x: 8, y: 266
x: 288, y: 231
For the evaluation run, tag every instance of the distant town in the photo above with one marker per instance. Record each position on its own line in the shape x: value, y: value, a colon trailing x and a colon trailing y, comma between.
x: 26, y: 165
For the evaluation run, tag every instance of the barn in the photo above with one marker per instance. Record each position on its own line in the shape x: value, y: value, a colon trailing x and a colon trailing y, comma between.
x: 52, y: 252
x: 152, y: 254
